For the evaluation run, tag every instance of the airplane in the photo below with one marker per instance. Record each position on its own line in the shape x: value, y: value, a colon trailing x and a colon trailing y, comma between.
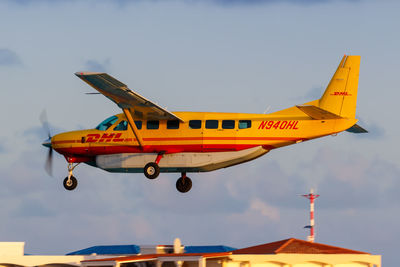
x: 146, y: 138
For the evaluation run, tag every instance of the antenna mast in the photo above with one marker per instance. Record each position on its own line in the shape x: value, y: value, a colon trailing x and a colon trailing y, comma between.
x: 311, y: 196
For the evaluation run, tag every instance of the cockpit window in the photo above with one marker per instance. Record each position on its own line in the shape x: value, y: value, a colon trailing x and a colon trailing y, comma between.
x: 122, y: 126
x: 107, y: 123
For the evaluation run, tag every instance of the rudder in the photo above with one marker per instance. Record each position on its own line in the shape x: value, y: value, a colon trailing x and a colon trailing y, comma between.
x: 340, y: 96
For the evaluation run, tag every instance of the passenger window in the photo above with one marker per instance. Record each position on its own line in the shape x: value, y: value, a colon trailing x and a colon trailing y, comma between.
x: 153, y: 125
x: 228, y: 124
x: 195, y: 124
x: 138, y: 124
x: 122, y: 126
x: 173, y: 124
x: 104, y: 125
x: 244, y: 124
x: 211, y: 124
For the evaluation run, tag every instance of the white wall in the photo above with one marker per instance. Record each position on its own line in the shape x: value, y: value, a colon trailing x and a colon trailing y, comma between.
x: 12, y: 248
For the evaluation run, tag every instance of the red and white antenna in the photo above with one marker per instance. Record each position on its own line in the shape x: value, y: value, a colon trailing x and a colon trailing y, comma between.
x: 311, y: 196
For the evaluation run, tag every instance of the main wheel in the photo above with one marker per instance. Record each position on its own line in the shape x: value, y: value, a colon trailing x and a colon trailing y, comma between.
x: 151, y: 170
x: 70, y: 184
x: 184, y: 185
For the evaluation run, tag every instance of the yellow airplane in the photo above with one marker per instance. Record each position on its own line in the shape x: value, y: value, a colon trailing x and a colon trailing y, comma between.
x: 147, y: 138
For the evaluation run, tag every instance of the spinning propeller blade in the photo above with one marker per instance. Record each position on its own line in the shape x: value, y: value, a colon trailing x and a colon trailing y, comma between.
x: 49, y: 161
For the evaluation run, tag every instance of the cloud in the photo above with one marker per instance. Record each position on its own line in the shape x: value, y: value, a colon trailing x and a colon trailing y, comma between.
x: 30, y: 2
x: 217, y: 2
x: 262, y: 2
x: 96, y: 66
x: 9, y: 58
x: 3, y: 148
x: 264, y: 209
x: 350, y: 180
x: 257, y: 2
x: 314, y: 93
x: 33, y: 207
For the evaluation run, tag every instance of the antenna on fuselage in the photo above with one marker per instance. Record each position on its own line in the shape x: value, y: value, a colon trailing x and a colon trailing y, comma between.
x: 267, y: 109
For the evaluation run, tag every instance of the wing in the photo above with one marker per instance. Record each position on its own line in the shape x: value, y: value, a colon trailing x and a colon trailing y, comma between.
x: 125, y: 98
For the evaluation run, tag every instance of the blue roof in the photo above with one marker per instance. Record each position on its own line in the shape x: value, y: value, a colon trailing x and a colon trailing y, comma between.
x: 207, y: 249
x: 108, y: 250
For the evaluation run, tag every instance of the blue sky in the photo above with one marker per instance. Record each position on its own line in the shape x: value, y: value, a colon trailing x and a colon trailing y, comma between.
x: 211, y: 55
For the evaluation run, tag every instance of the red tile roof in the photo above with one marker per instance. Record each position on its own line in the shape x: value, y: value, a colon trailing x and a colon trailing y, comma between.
x: 295, y: 246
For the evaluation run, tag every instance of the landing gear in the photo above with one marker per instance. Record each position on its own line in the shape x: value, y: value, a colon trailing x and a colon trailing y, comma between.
x: 70, y: 182
x: 151, y: 170
x: 184, y: 183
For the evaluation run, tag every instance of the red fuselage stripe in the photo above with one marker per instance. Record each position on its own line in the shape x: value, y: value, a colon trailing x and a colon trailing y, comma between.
x: 168, y: 139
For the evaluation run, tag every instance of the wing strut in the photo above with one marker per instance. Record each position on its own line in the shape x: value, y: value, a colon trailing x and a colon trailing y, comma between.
x: 131, y: 122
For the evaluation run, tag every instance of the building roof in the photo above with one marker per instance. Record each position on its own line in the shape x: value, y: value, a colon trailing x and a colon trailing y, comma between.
x: 134, y: 249
x: 287, y: 246
x: 295, y: 246
x: 156, y: 256
x: 207, y: 249
x: 108, y: 250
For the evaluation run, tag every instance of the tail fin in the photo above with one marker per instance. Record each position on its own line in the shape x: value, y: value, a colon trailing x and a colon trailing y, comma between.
x: 340, y: 97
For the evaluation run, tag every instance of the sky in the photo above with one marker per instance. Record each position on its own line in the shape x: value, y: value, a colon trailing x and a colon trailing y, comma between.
x: 199, y: 55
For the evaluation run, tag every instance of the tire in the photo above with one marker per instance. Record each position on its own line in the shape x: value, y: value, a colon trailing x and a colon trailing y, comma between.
x: 151, y: 170
x: 184, y: 185
x: 72, y: 184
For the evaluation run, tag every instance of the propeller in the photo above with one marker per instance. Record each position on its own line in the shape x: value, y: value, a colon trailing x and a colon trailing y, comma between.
x: 47, y: 143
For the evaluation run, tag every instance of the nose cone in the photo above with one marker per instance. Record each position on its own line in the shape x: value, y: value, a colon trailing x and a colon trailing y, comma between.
x: 47, y: 143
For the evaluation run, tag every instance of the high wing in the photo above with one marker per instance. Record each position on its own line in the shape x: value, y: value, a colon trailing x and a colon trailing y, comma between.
x: 125, y: 98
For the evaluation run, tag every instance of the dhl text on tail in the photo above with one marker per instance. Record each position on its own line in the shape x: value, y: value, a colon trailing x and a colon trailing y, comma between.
x: 147, y: 138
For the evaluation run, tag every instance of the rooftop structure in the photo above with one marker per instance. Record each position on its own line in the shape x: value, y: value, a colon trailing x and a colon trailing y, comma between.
x: 149, y: 249
x: 295, y: 246
x: 108, y: 250
x: 284, y: 253
x: 311, y: 196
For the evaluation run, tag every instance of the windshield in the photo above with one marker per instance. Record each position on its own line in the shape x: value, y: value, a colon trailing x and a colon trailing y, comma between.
x: 122, y: 126
x: 104, y: 125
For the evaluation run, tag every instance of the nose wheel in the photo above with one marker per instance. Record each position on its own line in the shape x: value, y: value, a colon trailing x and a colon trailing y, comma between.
x: 70, y: 182
x: 184, y: 183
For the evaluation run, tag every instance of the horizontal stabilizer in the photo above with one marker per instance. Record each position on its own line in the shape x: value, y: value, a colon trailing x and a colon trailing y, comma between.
x: 356, y: 129
x: 317, y: 113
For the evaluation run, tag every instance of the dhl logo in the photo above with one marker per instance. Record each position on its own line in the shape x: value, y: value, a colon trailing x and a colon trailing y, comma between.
x: 341, y: 94
x: 282, y: 125
x: 104, y: 138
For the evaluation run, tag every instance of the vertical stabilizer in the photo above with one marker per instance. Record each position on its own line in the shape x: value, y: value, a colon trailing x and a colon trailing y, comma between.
x: 340, y: 96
